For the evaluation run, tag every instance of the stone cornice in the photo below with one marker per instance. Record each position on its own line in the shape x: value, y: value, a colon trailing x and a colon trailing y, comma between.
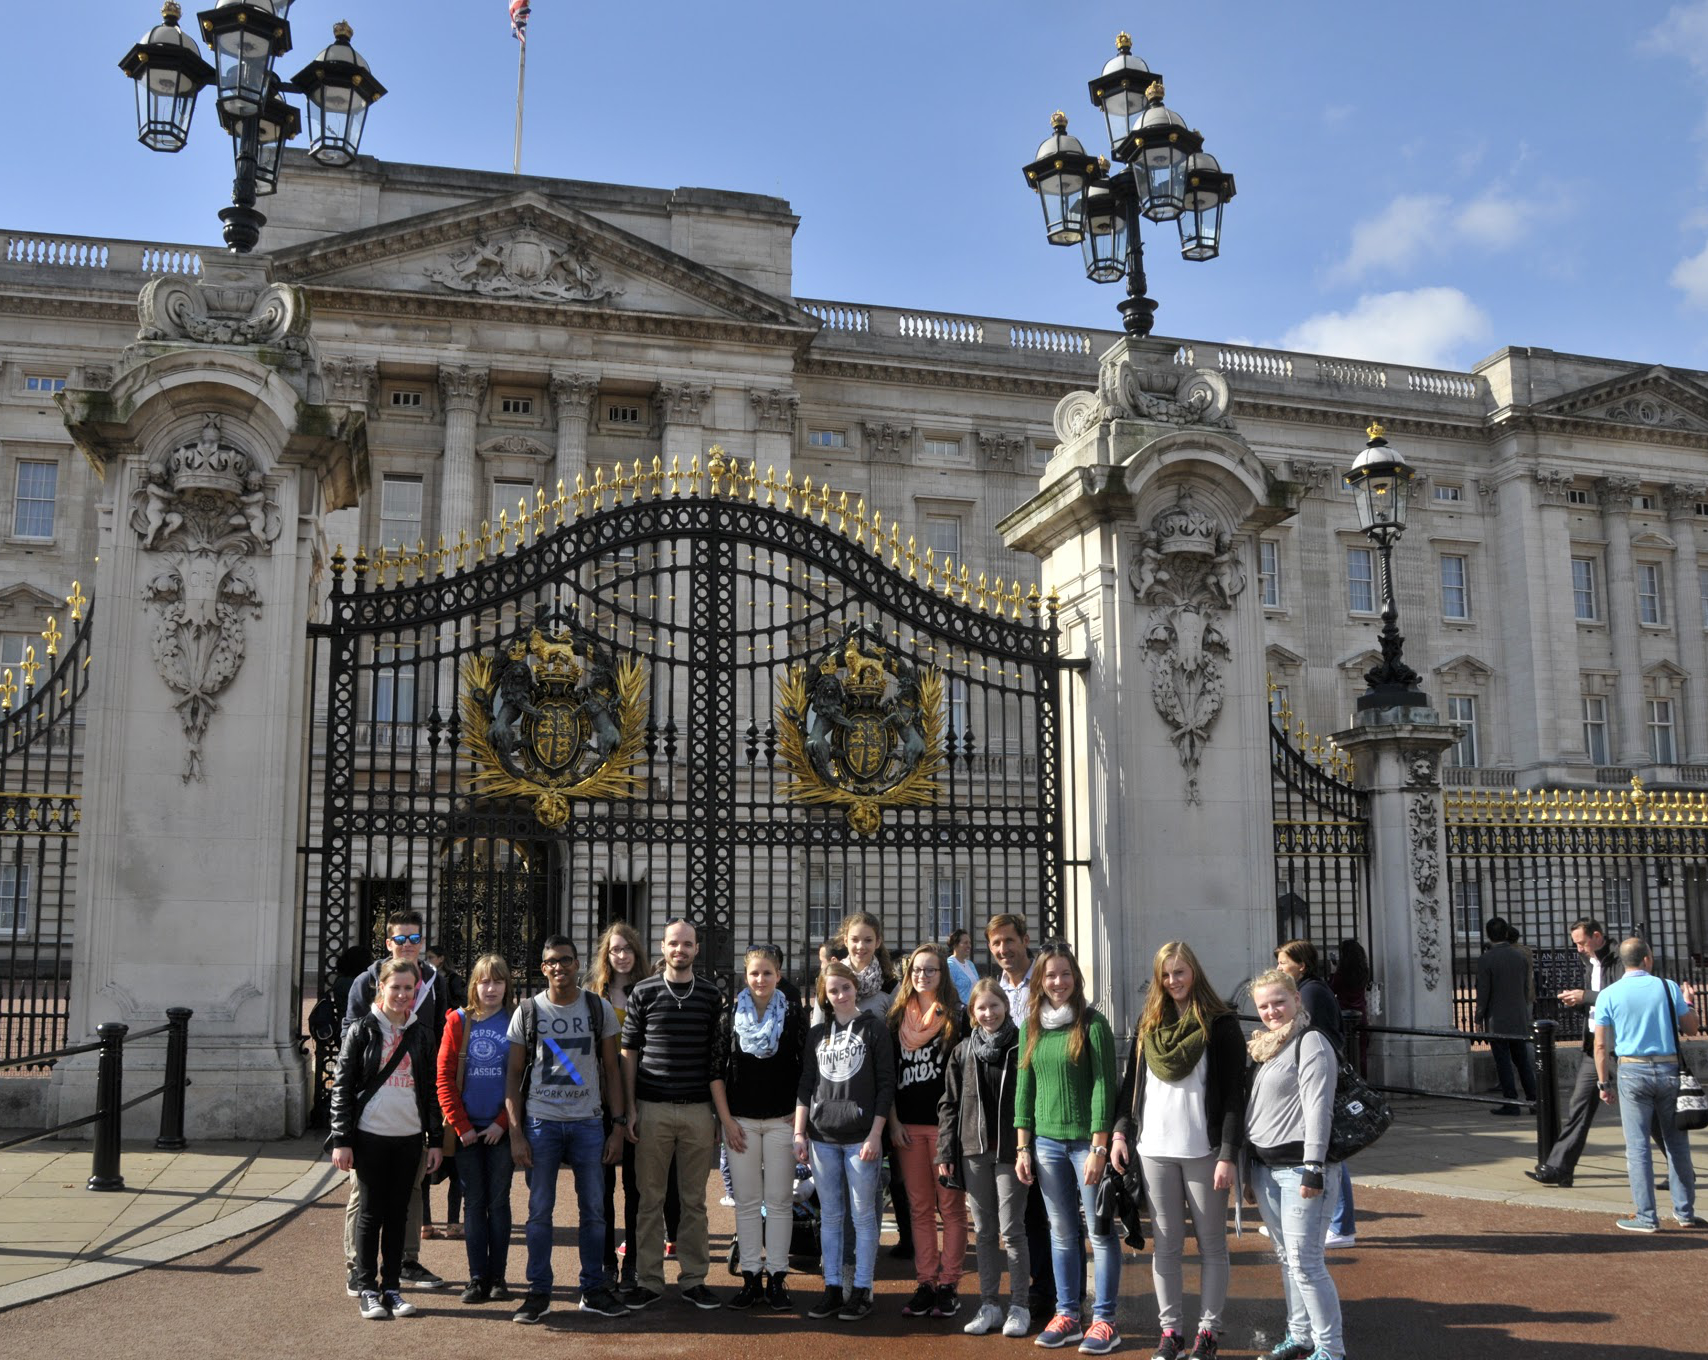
x: 1392, y: 421
x: 78, y: 308
x: 953, y: 379
x: 1553, y: 426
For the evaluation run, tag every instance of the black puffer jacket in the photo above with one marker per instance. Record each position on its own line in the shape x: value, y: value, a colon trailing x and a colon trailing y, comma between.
x: 357, y: 1077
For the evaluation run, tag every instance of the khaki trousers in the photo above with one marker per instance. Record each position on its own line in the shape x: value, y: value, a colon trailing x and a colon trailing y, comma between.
x: 688, y: 1133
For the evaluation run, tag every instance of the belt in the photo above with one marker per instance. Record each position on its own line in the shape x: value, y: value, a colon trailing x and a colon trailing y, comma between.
x: 1652, y: 1058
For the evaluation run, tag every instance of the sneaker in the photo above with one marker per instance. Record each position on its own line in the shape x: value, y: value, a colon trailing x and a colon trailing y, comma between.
x: 777, y: 1292
x: 1263, y: 1230
x: 828, y: 1306
x: 373, y: 1306
x: 947, y: 1304
x: 475, y: 1292
x: 353, y: 1283
x: 499, y: 1291
x: 1290, y: 1348
x: 533, y: 1308
x: 1335, y: 1239
x: 1635, y: 1225
x: 727, y: 1201
x: 1171, y: 1346
x: 1684, y: 1221
x: 856, y: 1307
x: 985, y: 1321
x: 414, y: 1275
x: 1061, y: 1331
x: 1204, y: 1347
x: 751, y: 1292
x: 1100, y: 1338
x: 399, y: 1306
x: 701, y: 1297
x: 920, y: 1305
x: 640, y: 1297
x: 1018, y: 1322
x: 603, y: 1302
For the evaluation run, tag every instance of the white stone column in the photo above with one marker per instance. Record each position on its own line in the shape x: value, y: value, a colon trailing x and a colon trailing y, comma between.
x: 462, y: 502
x: 1687, y: 613
x: 573, y: 395
x: 1614, y: 495
x: 680, y: 408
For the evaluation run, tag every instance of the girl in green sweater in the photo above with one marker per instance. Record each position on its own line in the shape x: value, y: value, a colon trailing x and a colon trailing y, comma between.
x: 1064, y: 1110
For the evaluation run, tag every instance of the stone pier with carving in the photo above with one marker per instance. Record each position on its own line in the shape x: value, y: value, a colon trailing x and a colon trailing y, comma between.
x: 1147, y: 526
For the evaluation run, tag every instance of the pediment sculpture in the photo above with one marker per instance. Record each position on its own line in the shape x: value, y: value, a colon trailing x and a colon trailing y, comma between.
x: 527, y: 265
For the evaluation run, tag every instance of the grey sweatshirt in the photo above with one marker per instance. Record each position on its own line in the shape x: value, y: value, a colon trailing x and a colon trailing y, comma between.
x: 1292, y: 1102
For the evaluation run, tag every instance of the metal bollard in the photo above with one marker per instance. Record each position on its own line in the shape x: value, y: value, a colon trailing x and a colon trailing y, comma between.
x: 1547, y: 1090
x: 171, y: 1137
x: 109, y: 1100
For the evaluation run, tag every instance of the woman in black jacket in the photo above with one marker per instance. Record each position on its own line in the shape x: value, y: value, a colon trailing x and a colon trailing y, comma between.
x: 384, y: 1106
x: 1181, y: 1110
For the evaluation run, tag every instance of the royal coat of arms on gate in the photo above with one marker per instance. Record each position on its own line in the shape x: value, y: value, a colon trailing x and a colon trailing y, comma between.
x: 861, y: 727
x: 553, y: 715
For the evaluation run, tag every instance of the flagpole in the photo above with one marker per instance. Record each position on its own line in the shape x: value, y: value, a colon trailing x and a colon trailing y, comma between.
x: 521, y: 72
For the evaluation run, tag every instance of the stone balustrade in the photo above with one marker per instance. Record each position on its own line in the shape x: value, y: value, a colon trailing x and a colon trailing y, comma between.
x: 49, y: 255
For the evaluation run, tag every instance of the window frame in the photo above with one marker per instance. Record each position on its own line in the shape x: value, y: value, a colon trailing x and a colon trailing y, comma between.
x: 1592, y: 723
x: 1463, y: 587
x: 1269, y: 572
x: 826, y: 437
x: 419, y: 520
x: 19, y: 500
x: 1659, y: 726
x: 1466, y: 753
x: 524, y: 488
x: 1592, y: 564
x: 16, y: 900
x: 1369, y: 557
x: 937, y: 519
x: 1651, y: 572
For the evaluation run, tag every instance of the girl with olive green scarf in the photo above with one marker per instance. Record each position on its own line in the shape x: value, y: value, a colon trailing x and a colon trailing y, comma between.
x: 1181, y: 1111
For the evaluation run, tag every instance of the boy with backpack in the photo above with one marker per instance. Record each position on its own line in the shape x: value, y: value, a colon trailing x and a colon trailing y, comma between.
x: 562, y: 1079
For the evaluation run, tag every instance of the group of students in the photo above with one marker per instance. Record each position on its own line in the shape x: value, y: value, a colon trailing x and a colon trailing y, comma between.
x: 979, y: 1098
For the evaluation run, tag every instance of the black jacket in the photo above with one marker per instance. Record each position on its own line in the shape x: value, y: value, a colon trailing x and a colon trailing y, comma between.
x: 1611, y: 969
x: 359, y: 1066
x: 1224, y: 1089
x: 842, y: 1104
x: 960, y: 1108
x: 433, y: 1006
x: 764, y: 1088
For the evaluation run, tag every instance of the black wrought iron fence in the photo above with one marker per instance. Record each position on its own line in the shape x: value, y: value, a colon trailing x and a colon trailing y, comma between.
x: 1322, y: 841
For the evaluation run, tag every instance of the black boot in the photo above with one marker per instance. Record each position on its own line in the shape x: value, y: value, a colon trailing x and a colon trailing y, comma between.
x: 777, y: 1295
x: 750, y: 1293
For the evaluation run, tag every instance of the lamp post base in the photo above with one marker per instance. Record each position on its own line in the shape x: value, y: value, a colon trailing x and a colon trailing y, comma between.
x: 1391, y: 696
x: 242, y: 227
x: 1138, y: 314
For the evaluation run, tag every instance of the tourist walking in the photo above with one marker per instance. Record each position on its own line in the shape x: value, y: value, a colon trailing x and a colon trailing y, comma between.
x: 1298, y: 959
x: 1637, y: 1022
x: 1182, y: 1113
x: 385, y: 1129
x: 846, y: 1090
x: 473, y: 1059
x: 976, y: 1145
x: 1287, y: 1118
x: 765, y: 1035
x: 1064, y: 1112
x: 1506, y: 994
x: 923, y: 1023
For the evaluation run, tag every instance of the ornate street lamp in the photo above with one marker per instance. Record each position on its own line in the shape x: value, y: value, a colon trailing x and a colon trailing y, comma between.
x: 1381, y: 484
x: 246, y: 38
x: 1166, y: 177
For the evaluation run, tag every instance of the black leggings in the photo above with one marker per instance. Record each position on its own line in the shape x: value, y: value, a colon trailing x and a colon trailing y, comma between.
x: 385, y: 1168
x: 631, y: 1206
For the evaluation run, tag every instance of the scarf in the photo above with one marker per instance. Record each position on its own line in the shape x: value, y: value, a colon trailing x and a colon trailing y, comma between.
x: 1055, y: 1017
x: 758, y: 1034
x: 1266, y: 1043
x: 1175, y: 1043
x: 869, y: 981
x: 920, y: 1025
x: 992, y: 1048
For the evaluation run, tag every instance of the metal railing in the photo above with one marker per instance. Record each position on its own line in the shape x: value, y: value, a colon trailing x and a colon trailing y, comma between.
x: 110, y: 1103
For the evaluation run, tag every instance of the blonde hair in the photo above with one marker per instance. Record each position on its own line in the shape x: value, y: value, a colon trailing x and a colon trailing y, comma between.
x: 390, y: 966
x: 983, y: 987
x: 905, y: 993
x: 490, y: 966
x: 1055, y: 949
x: 1201, y: 1002
x: 599, y: 975
x: 835, y: 968
x: 1273, y: 977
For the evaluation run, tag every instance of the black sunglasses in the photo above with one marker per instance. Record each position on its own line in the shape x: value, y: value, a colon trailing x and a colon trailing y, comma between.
x: 407, y: 939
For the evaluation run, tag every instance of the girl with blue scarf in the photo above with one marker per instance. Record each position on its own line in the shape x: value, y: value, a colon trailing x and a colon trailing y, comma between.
x: 766, y: 1042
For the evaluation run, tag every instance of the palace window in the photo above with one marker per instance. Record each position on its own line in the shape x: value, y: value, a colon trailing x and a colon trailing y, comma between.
x: 949, y: 449
x: 1651, y: 598
x: 1577, y: 495
x: 827, y: 439
x: 400, y: 512
x: 1595, y: 728
x: 1462, y: 709
x: 506, y: 495
x: 1467, y: 897
x: 40, y: 382
x: 622, y: 415
x: 1361, y: 580
x: 1277, y: 701
x: 1663, y: 748
x: 515, y: 406
x: 943, y: 536
x: 1455, y: 587
x: 825, y: 896
x: 1448, y: 491
x: 394, y: 684
x: 32, y: 510
x: 955, y: 707
x: 1585, y: 600
x: 407, y: 398
x: 1269, y: 573
x: 16, y: 898
x: 949, y: 899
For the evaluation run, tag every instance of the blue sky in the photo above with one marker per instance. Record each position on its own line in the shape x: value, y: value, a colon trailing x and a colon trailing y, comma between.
x: 1418, y: 184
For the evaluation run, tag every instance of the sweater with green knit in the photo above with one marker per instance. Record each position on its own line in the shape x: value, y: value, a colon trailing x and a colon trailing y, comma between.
x: 1063, y: 1100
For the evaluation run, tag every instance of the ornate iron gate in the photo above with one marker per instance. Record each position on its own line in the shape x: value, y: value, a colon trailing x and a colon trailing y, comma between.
x: 1322, y: 841
x: 715, y: 696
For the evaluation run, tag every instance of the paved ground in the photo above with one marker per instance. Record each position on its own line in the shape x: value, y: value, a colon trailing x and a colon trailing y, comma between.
x: 1457, y: 1254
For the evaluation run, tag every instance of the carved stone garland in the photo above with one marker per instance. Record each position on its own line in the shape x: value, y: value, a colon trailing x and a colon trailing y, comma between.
x: 204, y: 510
x: 1190, y: 575
x: 1424, y: 784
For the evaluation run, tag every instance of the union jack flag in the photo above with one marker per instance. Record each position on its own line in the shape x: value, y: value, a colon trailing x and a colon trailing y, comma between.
x: 519, y: 10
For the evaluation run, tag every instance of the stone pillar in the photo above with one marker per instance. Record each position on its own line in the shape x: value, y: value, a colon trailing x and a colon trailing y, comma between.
x: 774, y: 411
x: 1322, y: 568
x: 1396, y: 756
x: 1614, y: 494
x: 1688, y: 619
x: 680, y: 408
x: 573, y: 395
x: 219, y: 466
x: 1147, y: 534
x: 462, y: 502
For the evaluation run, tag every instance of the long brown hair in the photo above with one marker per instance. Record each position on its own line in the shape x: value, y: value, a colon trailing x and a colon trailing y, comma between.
x: 905, y: 993
x: 865, y: 918
x: 491, y: 966
x: 835, y: 968
x: 1203, y: 1002
x: 1035, y: 1001
x: 599, y: 975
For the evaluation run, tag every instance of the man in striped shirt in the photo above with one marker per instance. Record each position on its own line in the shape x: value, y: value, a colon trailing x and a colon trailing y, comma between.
x: 671, y: 1051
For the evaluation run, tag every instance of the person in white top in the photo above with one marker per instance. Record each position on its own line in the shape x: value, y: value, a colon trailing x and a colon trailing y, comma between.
x: 961, y: 970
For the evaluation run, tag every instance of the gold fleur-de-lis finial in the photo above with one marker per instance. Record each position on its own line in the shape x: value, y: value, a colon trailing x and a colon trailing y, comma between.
x: 8, y: 692
x: 51, y: 635
x: 78, y: 601
x: 31, y: 666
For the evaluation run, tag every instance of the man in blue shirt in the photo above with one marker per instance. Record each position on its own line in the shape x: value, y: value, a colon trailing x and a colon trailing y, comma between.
x: 1637, y: 1020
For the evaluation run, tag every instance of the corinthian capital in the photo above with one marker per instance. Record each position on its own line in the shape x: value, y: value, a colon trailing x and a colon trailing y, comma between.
x: 462, y: 388
x: 573, y: 394
x: 1682, y: 498
x: 351, y: 380
x: 1615, y: 493
x: 774, y: 409
x: 682, y: 403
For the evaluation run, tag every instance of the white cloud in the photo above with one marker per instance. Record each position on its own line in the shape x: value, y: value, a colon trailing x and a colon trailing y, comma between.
x: 1396, y: 238
x: 1416, y: 228
x: 1496, y: 221
x: 1683, y: 33
x: 1426, y: 327
x: 1691, y: 279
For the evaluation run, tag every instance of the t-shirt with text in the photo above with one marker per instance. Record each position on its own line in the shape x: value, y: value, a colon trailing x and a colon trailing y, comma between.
x: 565, y: 1082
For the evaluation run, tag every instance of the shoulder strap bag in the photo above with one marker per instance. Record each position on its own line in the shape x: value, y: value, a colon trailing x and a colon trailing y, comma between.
x: 1691, y: 1112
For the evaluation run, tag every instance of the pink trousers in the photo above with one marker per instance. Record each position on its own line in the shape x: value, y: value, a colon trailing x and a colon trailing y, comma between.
x: 927, y: 1200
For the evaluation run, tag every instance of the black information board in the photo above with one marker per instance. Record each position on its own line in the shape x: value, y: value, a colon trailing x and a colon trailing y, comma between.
x: 1559, y: 970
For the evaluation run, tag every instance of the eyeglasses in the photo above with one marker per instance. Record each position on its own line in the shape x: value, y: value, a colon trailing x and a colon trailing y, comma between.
x: 407, y: 939
x: 926, y: 972
x: 560, y: 961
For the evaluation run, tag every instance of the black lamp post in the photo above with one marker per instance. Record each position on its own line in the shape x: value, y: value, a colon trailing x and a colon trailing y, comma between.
x: 247, y: 37
x: 1167, y: 177
x: 1381, y: 483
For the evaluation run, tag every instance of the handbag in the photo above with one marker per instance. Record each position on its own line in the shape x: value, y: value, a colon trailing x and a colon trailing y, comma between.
x: 1360, y: 1116
x: 1691, y: 1111
x: 1115, y: 1201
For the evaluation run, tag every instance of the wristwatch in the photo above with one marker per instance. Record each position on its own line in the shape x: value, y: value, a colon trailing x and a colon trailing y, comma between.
x: 621, y: 1120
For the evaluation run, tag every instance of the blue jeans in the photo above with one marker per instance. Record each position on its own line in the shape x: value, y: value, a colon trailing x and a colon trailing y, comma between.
x: 486, y: 1170
x: 1297, y: 1227
x: 835, y: 1165
x: 1061, y: 1173
x: 579, y: 1144
x: 1345, y: 1220
x: 1648, y: 1095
